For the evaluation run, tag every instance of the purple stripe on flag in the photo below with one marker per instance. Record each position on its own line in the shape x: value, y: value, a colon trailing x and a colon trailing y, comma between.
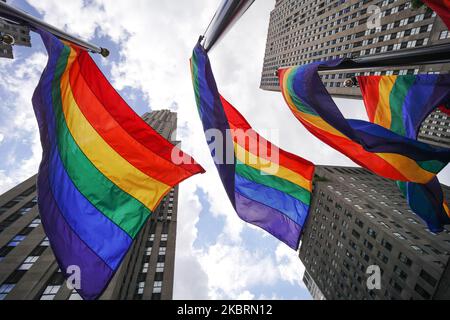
x: 215, y: 121
x: 269, y: 219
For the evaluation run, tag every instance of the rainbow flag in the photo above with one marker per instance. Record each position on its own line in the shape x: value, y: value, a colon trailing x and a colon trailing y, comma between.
x: 268, y: 187
x: 442, y: 9
x: 401, y: 104
x: 103, y: 171
x: 372, y: 146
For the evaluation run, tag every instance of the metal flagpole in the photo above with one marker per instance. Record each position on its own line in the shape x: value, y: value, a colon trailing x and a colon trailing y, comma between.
x: 21, y: 17
x: 226, y: 15
x: 410, y: 57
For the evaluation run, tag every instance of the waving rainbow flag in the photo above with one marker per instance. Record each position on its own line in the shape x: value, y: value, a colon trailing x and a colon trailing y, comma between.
x: 103, y: 171
x: 372, y: 146
x: 273, y: 193
x: 401, y: 104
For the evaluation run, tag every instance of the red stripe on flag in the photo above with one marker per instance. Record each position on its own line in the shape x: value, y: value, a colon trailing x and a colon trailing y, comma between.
x: 286, y: 159
x: 370, y: 89
x: 127, y: 118
x: 117, y: 138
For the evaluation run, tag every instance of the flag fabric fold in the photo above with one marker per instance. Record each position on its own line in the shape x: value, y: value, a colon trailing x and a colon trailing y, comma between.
x: 401, y: 104
x: 103, y: 170
x: 273, y: 193
x: 372, y: 146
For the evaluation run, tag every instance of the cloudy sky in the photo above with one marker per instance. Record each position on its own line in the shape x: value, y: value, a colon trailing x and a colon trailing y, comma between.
x: 218, y: 255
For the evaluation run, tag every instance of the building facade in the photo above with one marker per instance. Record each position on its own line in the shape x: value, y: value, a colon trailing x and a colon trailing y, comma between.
x: 312, y: 287
x: 21, y: 35
x: 359, y: 220
x: 29, y: 271
x: 301, y: 32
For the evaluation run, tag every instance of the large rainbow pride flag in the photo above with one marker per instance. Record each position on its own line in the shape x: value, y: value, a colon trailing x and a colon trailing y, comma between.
x: 104, y: 170
x: 401, y: 104
x: 273, y: 193
x: 373, y: 146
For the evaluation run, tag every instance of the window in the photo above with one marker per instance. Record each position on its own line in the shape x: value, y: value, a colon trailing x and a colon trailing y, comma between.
x: 444, y: 35
x: 402, y: 274
x: 418, y: 249
x: 382, y: 257
x: 422, y: 292
x: 386, y: 244
x: 15, y: 241
x: 396, y: 286
x: 359, y: 223
x: 428, y: 278
x: 398, y: 235
x: 160, y: 267
x: 355, y: 234
x: 162, y: 251
x: 50, y: 292
x: 5, y: 289
x: 145, y: 268
x: 140, y: 287
x: 148, y: 251
x: 164, y: 237
x: 371, y: 233
x: 45, y: 243
x: 403, y: 258
x: 368, y: 244
x: 28, y: 263
x: 35, y: 223
x: 157, y: 285
x: 75, y: 296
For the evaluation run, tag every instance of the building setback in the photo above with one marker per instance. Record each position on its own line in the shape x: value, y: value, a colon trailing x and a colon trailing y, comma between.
x: 28, y: 270
x: 358, y: 219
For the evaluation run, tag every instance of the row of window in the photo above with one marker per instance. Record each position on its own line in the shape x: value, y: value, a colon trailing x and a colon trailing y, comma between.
x: 9, y: 284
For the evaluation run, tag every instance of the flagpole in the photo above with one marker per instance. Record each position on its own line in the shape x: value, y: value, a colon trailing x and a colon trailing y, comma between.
x: 226, y: 15
x: 21, y: 17
x: 426, y: 55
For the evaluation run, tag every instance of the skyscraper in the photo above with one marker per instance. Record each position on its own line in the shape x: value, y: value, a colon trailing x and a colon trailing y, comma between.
x: 301, y: 32
x: 313, y: 289
x: 357, y: 220
x: 28, y: 269
x: 21, y: 35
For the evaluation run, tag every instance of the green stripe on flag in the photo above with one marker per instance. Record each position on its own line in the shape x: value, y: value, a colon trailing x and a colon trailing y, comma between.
x: 273, y: 182
x: 95, y: 187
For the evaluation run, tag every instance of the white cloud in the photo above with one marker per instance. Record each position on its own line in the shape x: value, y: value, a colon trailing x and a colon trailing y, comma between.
x: 18, y: 124
x: 288, y: 266
x: 232, y: 269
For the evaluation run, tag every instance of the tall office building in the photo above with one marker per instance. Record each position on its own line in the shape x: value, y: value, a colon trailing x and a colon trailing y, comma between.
x: 301, y: 32
x: 28, y: 269
x: 359, y: 219
x: 312, y: 287
x: 21, y: 35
